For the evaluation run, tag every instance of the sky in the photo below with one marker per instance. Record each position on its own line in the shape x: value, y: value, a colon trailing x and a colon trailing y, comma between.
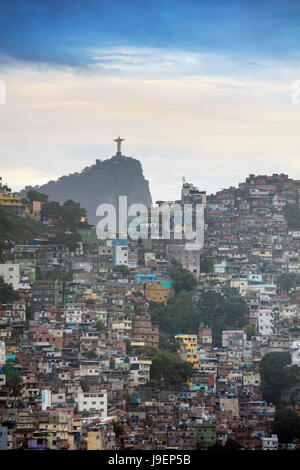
x: 209, y: 90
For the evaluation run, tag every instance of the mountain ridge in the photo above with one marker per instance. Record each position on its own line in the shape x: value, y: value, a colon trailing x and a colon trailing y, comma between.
x: 99, y: 183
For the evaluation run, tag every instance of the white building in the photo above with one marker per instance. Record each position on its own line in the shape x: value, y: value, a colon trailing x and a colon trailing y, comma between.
x: 234, y: 339
x: 46, y: 399
x: 2, y: 353
x: 265, y: 322
x: 121, y: 255
x: 92, y: 402
x: 11, y: 274
x: 140, y: 369
x: 270, y: 443
x: 288, y: 311
x: 73, y: 315
x: 90, y: 369
x: 295, y: 347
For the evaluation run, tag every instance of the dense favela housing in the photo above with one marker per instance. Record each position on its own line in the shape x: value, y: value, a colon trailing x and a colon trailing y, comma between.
x: 141, y: 344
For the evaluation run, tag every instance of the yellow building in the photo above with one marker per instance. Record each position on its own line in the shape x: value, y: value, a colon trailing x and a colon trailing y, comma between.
x: 188, y: 349
x: 94, y: 440
x: 92, y: 296
x: 240, y: 284
x: 9, y: 200
x: 122, y: 325
x: 156, y: 292
x: 251, y: 378
x: 148, y: 258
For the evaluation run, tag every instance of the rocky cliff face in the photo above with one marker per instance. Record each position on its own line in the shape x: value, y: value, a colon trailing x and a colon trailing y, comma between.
x: 101, y: 183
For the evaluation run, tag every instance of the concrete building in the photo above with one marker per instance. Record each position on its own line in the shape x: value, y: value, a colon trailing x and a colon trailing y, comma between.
x: 92, y: 402
x: 11, y: 274
x: 189, y: 259
x: 120, y: 252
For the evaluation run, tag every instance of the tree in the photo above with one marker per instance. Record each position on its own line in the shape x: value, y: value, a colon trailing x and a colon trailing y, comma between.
x: 168, y: 368
x: 71, y: 214
x: 206, y: 264
x: 291, y: 214
x: 182, y: 314
x: 137, y: 293
x: 250, y: 331
x: 182, y: 278
x: 286, y: 424
x: 51, y: 211
x: 7, y: 293
x: 14, y: 384
x: 99, y: 326
x: 232, y: 444
x: 168, y: 343
x: 90, y: 354
x: 277, y: 374
x: 287, y: 281
x: 177, y: 316
x: 128, y: 345
x: 221, y: 313
x: 121, y: 268
x: 4, y: 226
x: 118, y: 428
x: 68, y: 239
x: 33, y: 195
x: 151, y: 384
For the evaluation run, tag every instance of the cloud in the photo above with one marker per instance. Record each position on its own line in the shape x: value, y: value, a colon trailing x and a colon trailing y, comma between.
x: 203, y: 116
x: 65, y: 32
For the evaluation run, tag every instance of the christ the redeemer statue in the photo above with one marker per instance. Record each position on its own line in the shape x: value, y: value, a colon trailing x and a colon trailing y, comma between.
x: 119, y: 141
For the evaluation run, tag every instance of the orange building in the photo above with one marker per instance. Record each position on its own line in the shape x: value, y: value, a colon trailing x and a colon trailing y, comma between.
x: 156, y: 292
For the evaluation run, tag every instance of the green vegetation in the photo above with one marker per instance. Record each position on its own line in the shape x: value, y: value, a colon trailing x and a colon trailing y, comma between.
x: 137, y: 293
x: 99, y: 326
x: 177, y: 316
x: 182, y: 278
x: 7, y: 294
x: 68, y: 239
x: 66, y: 217
x: 287, y: 281
x: 118, y: 428
x: 291, y: 214
x: 250, y: 330
x: 231, y: 444
x: 14, y: 384
x: 121, y: 268
x: 221, y: 313
x: 286, y: 424
x: 9, y: 369
x: 33, y: 195
x: 182, y: 315
x: 128, y: 346
x: 277, y: 373
x: 168, y: 368
x: 169, y: 344
x: 14, y: 381
x: 19, y: 229
x: 90, y: 354
x: 206, y: 264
